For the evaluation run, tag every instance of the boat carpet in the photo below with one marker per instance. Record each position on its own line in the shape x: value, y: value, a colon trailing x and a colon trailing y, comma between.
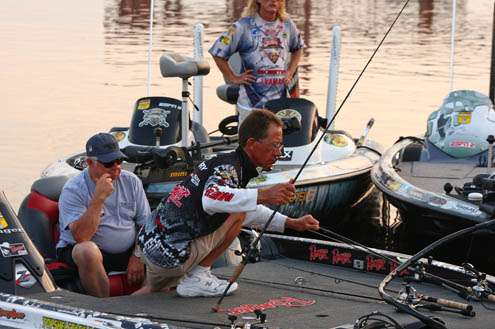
x: 317, y: 302
x: 433, y: 176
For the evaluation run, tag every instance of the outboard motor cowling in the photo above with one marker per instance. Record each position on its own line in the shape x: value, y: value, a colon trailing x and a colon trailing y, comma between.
x: 303, y: 111
x: 461, y: 126
x: 151, y: 113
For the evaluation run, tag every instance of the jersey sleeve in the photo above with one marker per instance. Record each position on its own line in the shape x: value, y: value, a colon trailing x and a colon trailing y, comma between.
x: 221, y: 193
x: 295, y: 40
x: 260, y: 216
x: 227, y: 44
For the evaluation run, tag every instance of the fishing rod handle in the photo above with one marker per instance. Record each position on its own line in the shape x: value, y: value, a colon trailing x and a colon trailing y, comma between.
x: 216, y: 308
x: 450, y: 303
x: 490, y: 297
x: 237, y: 272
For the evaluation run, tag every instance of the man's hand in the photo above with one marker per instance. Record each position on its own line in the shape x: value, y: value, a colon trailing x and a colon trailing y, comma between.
x: 135, y: 271
x: 104, y: 187
x: 304, y: 223
x: 277, y: 194
x: 245, y: 77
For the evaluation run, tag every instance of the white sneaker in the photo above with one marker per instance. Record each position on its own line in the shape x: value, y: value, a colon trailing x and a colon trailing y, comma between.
x: 203, y: 284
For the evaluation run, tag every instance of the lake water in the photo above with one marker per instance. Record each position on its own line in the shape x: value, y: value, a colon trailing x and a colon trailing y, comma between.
x: 69, y: 69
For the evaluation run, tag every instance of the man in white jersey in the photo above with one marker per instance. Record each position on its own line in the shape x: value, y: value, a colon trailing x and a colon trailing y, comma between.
x: 270, y: 47
x: 101, y: 210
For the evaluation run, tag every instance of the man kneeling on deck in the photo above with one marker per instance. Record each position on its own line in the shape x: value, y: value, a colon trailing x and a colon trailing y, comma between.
x: 202, y: 215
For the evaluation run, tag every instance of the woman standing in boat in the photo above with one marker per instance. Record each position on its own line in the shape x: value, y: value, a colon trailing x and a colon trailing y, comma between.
x: 270, y: 47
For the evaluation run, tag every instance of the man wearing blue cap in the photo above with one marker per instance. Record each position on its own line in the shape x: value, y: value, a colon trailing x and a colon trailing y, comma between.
x: 101, y: 210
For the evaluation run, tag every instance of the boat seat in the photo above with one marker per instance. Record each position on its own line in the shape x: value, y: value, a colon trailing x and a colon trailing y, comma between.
x: 173, y: 65
x: 228, y: 93
x: 38, y: 215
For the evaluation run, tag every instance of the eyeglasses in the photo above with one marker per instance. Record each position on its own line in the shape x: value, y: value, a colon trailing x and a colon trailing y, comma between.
x: 111, y: 163
x: 275, y: 146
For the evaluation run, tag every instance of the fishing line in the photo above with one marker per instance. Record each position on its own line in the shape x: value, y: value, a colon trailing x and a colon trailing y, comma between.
x: 245, y: 260
x: 433, y: 323
x: 337, y: 279
x: 459, y: 287
x: 350, y: 91
x: 350, y: 242
x: 311, y: 288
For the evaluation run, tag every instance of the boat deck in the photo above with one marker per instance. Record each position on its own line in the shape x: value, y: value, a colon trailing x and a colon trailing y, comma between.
x: 317, y: 302
x: 433, y: 176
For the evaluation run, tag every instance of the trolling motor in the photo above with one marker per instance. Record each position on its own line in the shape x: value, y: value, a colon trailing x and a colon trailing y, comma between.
x: 155, y: 164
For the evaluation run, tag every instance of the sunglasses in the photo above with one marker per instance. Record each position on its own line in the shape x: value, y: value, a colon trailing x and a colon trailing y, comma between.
x: 111, y: 163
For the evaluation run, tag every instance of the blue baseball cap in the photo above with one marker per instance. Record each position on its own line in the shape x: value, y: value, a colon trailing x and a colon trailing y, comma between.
x: 104, y: 147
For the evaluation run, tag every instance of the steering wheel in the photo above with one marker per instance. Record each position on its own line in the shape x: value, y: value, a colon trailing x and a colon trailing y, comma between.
x: 229, y: 126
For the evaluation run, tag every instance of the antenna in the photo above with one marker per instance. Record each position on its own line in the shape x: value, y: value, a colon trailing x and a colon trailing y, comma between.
x: 333, y: 73
x: 452, y: 46
x: 198, y: 80
x: 150, y: 46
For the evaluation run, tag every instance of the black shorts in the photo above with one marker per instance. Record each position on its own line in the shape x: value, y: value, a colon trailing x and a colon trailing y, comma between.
x: 111, y: 262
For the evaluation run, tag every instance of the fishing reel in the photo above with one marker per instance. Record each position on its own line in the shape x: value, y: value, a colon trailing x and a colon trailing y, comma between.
x: 481, y: 288
x: 408, y: 295
x: 250, y: 322
x: 250, y: 251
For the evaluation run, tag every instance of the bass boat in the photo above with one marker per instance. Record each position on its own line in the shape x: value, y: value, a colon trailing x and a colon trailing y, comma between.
x: 292, y: 282
x: 163, y: 145
x: 444, y: 181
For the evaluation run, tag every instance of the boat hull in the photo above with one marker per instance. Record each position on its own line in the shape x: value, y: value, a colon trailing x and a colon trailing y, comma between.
x: 428, y: 215
x: 324, y: 189
x: 331, y: 198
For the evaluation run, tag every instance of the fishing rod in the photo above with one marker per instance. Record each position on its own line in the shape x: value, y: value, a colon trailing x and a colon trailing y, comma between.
x: 406, y: 307
x: 461, y: 290
x: 249, y: 252
x: 297, y: 286
x: 337, y: 279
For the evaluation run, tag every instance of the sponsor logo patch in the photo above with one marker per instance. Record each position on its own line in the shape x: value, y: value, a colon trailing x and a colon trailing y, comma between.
x: 462, y: 144
x: 3, y: 223
x: 155, y: 117
x: 49, y: 323
x: 13, y: 249
x: 214, y: 194
x: 178, y: 193
x: 13, y: 314
x: 316, y: 253
x: 272, y: 303
x: 11, y: 230
x: 464, y: 118
x: 23, y: 278
x: 144, y: 104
